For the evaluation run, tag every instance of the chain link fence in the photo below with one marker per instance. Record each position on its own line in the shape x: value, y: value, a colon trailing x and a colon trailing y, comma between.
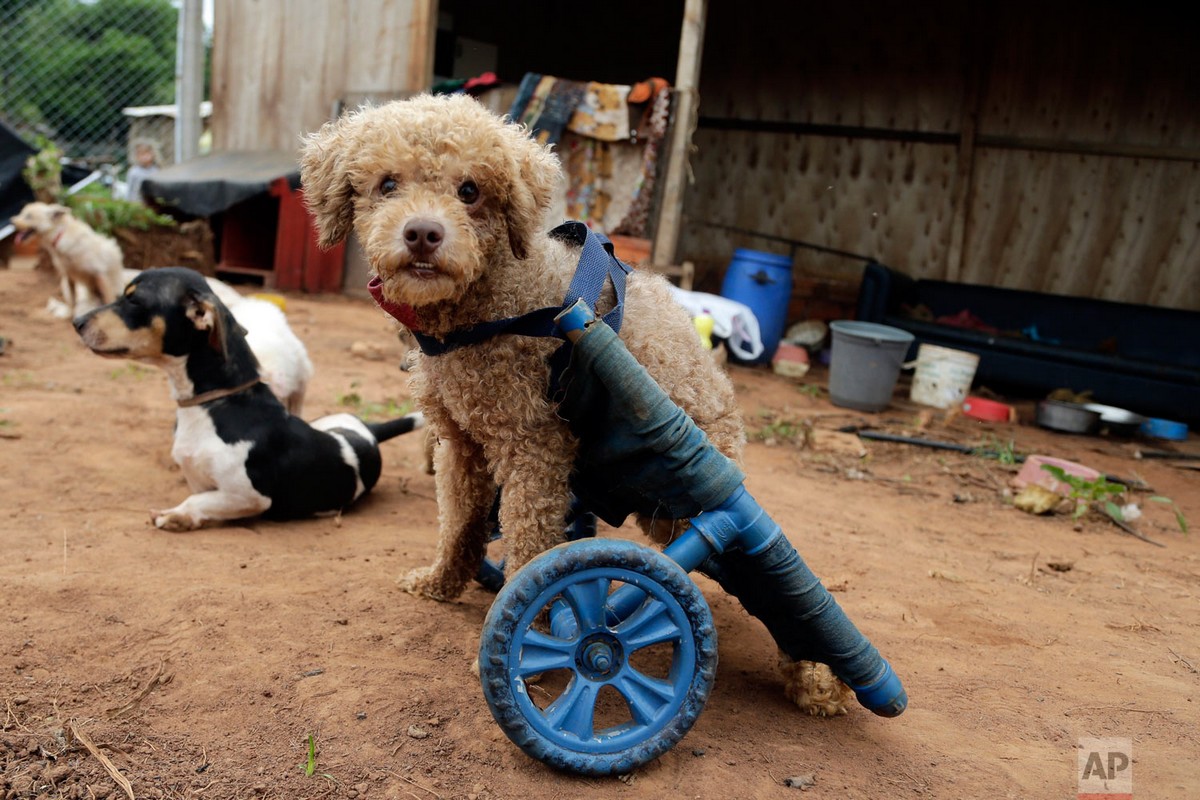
x: 68, y: 69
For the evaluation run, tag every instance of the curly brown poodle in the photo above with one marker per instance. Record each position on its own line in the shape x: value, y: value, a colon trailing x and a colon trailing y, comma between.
x: 449, y: 203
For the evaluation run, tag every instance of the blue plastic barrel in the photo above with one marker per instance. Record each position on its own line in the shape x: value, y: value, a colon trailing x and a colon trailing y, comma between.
x: 763, y: 282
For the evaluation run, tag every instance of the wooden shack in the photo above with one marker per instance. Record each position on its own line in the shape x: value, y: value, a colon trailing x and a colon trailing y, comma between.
x: 1052, y: 147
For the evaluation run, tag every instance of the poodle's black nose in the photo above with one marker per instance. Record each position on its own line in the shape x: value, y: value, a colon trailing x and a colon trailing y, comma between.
x: 423, y: 237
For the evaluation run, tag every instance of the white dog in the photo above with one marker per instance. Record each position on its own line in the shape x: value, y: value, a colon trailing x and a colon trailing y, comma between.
x: 88, y: 263
x: 283, y: 361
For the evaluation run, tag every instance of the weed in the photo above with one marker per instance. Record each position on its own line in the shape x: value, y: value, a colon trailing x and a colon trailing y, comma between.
x: 812, y: 390
x: 1180, y: 519
x: 130, y: 370
x: 310, y: 766
x: 372, y: 411
x: 310, y: 763
x: 1088, y: 493
x: 17, y: 379
x: 1104, y: 494
x: 777, y: 430
x: 1005, y: 452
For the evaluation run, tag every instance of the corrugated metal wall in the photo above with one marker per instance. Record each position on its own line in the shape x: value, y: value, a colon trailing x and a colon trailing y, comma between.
x: 1053, y: 147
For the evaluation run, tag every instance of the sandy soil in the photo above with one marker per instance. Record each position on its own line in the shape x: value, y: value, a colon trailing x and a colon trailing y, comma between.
x: 200, y: 664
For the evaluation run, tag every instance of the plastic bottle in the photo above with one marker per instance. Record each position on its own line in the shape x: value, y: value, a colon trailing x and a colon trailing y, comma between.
x: 704, y: 326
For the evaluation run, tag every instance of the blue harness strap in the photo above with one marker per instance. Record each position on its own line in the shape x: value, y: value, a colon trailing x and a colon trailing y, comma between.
x: 597, y: 264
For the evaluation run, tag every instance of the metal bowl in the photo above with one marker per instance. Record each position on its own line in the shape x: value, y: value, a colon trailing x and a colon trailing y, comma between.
x: 1067, y: 417
x: 1118, y: 420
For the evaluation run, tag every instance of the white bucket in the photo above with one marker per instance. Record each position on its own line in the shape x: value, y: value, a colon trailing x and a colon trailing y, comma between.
x: 943, y: 377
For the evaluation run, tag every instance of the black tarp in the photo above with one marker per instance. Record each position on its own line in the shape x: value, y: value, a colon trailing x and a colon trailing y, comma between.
x: 14, y: 192
x: 213, y: 183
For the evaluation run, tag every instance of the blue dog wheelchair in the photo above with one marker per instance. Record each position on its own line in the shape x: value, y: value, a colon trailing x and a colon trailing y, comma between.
x: 598, y: 655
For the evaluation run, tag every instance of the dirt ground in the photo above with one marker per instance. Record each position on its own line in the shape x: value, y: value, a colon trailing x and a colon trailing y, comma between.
x: 199, y: 665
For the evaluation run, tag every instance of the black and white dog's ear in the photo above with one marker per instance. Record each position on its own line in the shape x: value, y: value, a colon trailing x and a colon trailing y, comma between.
x: 205, y: 313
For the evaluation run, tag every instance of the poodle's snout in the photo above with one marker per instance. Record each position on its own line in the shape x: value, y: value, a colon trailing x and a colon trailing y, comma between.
x: 423, y: 237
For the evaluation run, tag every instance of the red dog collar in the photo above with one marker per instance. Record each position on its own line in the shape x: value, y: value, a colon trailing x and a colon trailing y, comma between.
x: 404, y: 313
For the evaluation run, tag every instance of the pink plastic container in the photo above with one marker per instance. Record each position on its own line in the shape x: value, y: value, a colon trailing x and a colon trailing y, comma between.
x: 1032, y: 472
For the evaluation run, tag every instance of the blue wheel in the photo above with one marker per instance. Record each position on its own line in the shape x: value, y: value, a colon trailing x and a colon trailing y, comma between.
x: 598, y: 656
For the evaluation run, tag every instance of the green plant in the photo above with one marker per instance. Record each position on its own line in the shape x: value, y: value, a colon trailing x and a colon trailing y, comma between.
x: 131, y: 370
x: 776, y: 429
x: 1180, y: 519
x: 1103, y: 495
x: 310, y: 765
x: 1088, y: 493
x: 106, y: 214
x: 17, y: 379
x: 1005, y: 452
x: 780, y: 429
x: 43, y: 171
x: 372, y: 411
x: 813, y: 390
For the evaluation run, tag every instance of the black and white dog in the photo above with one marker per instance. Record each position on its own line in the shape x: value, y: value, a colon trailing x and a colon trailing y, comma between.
x: 242, y: 453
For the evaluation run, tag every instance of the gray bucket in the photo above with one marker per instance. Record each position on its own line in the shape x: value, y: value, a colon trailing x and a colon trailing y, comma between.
x: 865, y: 363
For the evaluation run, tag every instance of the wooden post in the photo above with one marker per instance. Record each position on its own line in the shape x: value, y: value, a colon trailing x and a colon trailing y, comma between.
x: 687, y: 82
x: 189, y: 80
x: 424, y: 35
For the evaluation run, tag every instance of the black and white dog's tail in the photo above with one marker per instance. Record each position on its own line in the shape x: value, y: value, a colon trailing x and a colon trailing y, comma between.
x: 382, y: 431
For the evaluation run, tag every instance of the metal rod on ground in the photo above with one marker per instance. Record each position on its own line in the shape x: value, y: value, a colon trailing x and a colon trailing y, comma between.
x: 1167, y: 454
x: 982, y: 452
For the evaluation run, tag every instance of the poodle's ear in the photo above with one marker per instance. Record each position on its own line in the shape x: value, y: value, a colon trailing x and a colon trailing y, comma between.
x: 536, y: 173
x: 57, y: 212
x: 326, y: 181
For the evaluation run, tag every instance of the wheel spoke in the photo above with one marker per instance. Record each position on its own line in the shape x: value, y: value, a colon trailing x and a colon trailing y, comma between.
x: 575, y: 709
x: 646, y: 696
x: 541, y: 653
x: 650, y: 624
x: 587, y: 599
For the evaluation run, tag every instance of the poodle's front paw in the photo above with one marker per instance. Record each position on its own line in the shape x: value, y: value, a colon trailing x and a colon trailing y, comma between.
x: 427, y: 582
x: 174, y: 520
x: 814, y: 688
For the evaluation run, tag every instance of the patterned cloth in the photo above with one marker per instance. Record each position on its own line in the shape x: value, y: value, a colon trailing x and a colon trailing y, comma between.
x: 603, y: 112
x: 588, y: 164
x: 545, y: 104
x: 605, y: 122
x: 653, y: 129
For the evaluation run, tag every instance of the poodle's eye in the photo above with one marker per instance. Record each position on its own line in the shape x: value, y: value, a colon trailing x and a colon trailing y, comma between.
x: 468, y: 192
x: 388, y: 186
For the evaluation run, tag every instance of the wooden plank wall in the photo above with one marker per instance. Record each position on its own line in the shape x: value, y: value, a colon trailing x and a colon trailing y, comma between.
x: 1053, y: 147
x: 1087, y: 178
x: 279, y: 66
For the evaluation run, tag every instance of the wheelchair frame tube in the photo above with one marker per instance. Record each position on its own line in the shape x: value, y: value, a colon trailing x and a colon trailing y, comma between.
x: 742, y: 548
